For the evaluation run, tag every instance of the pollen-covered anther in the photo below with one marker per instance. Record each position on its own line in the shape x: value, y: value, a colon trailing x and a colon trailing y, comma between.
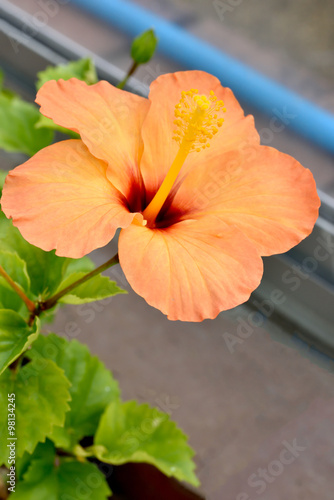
x: 197, y: 119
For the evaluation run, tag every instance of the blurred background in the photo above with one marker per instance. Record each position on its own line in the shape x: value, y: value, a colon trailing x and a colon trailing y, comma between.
x: 258, y: 379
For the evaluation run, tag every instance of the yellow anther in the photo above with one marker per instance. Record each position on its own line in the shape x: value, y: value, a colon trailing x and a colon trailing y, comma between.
x: 197, y: 118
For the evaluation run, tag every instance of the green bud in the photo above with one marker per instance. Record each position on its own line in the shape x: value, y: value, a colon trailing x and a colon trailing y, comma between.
x: 143, y: 47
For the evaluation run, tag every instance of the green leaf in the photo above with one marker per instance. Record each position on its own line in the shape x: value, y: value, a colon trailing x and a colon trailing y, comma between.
x: 17, y: 270
x: 41, y: 399
x: 35, y: 466
x: 129, y: 432
x: 49, y: 273
x: 45, y: 269
x: 144, y: 46
x: 96, y: 288
x: 71, y: 480
x: 85, y: 264
x: 22, y: 464
x: 83, y: 69
x: 92, y: 386
x: 3, y: 175
x: 17, y: 127
x: 15, y: 336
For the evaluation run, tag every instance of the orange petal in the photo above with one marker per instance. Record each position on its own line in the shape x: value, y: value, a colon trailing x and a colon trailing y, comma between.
x: 268, y: 195
x: 191, y: 270
x: 61, y: 199
x: 157, y: 131
x: 108, y: 120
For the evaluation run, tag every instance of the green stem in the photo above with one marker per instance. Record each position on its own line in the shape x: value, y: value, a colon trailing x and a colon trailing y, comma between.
x: 49, y: 303
x: 133, y: 68
x: 29, y: 303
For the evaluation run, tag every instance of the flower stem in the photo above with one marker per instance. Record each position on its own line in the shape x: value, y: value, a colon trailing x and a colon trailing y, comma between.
x: 29, y: 303
x: 49, y: 303
x: 133, y: 68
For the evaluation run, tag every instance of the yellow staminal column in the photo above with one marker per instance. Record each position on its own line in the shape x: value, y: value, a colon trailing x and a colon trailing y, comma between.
x: 197, y: 121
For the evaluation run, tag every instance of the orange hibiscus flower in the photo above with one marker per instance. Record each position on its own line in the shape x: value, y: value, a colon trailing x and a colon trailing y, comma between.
x: 182, y: 173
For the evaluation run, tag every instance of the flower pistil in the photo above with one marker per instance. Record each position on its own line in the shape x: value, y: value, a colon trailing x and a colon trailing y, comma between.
x: 197, y: 120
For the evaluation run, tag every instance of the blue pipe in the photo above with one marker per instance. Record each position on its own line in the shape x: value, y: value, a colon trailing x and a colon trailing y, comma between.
x: 274, y: 99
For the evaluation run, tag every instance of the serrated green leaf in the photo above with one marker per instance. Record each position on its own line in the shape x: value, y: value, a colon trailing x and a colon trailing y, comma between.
x: 16, y: 268
x: 129, y: 432
x: 97, y: 288
x: 41, y: 398
x: 15, y: 336
x: 92, y: 386
x: 23, y: 463
x: 72, y: 480
x: 83, y: 69
x: 34, y: 467
x: 17, y: 127
x: 45, y: 269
